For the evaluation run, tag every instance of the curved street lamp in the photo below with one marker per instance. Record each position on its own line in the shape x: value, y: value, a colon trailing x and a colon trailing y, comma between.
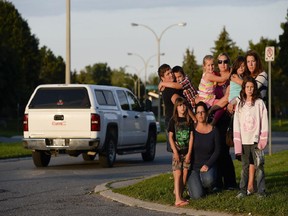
x: 158, y: 40
x: 145, y: 65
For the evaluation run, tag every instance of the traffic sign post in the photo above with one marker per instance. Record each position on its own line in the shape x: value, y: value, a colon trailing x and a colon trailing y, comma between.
x: 269, y: 56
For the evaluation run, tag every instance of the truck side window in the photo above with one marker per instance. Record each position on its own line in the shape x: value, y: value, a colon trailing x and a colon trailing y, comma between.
x: 105, y: 97
x: 123, y: 100
x: 133, y: 102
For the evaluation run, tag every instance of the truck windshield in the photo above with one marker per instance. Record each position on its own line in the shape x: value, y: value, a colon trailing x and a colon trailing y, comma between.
x: 64, y: 98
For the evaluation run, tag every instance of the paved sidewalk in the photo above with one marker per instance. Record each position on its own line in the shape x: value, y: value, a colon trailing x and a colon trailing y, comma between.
x: 106, y: 191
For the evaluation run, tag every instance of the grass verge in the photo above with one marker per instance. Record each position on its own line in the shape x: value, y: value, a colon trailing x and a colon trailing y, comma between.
x: 160, y: 189
x: 13, y: 150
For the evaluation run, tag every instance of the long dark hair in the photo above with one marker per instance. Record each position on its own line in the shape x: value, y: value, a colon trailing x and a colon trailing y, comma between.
x: 236, y: 65
x: 179, y: 101
x: 255, y: 95
x: 259, y: 67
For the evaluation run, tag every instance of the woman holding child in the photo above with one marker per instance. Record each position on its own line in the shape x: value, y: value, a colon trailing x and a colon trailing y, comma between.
x: 226, y: 178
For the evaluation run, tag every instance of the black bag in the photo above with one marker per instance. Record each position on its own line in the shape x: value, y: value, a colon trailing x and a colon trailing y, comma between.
x: 229, y: 134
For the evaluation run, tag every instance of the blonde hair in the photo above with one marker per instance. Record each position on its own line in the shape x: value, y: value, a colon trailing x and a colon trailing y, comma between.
x: 207, y: 57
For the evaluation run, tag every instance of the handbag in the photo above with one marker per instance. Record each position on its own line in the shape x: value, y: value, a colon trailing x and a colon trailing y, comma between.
x: 229, y: 134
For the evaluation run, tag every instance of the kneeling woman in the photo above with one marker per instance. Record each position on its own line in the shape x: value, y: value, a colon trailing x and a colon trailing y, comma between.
x: 206, y: 150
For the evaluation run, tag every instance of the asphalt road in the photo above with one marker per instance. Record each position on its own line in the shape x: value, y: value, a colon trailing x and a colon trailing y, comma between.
x: 66, y: 186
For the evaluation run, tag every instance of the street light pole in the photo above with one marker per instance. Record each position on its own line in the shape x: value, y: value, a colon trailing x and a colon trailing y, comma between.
x: 145, y: 66
x: 158, y: 40
x: 68, y: 43
x: 138, y: 80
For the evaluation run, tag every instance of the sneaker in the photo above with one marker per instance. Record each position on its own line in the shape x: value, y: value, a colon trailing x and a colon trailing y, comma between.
x: 249, y: 193
x: 241, y: 195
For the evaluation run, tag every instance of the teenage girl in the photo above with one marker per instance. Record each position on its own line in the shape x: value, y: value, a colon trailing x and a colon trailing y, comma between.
x: 181, y: 140
x: 250, y: 135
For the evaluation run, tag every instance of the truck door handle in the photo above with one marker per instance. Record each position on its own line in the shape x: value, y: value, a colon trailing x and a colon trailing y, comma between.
x: 124, y: 116
x: 137, y: 116
x: 59, y: 117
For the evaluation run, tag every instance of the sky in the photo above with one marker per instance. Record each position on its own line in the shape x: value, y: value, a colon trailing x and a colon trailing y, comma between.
x: 101, y: 30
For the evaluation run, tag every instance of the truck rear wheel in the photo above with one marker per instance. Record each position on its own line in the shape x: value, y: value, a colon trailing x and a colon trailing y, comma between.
x: 41, y: 158
x: 107, y: 158
x: 149, y: 155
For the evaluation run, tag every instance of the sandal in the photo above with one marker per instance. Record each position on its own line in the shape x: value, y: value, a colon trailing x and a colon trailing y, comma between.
x: 182, y: 203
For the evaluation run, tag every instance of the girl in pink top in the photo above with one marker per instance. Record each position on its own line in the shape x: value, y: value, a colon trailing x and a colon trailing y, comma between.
x: 208, y: 82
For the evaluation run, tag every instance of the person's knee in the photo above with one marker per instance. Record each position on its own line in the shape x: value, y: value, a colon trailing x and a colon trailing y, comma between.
x: 195, y: 186
x: 208, y: 182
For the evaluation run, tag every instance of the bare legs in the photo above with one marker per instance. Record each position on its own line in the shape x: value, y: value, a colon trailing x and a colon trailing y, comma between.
x: 180, y: 180
x: 250, y: 187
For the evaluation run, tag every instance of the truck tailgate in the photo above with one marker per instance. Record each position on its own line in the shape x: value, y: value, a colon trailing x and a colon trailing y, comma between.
x: 68, y: 123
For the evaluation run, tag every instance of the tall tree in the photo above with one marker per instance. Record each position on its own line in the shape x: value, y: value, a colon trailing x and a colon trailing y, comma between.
x: 99, y: 73
x: 52, y: 67
x: 282, y: 60
x: 225, y: 44
x: 191, y: 68
x: 123, y: 79
x: 282, y: 63
x: 22, y: 59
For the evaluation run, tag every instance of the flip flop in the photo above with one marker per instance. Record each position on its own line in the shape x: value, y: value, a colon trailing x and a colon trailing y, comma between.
x: 182, y: 203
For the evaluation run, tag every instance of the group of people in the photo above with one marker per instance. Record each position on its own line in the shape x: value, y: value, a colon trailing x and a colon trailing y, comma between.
x: 196, y: 121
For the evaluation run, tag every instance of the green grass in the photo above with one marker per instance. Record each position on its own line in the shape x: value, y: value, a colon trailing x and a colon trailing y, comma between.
x: 13, y: 150
x: 279, y: 125
x: 160, y: 189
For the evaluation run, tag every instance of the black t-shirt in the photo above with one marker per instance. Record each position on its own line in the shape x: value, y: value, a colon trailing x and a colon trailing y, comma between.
x: 181, y: 132
x: 206, y: 149
x: 167, y: 95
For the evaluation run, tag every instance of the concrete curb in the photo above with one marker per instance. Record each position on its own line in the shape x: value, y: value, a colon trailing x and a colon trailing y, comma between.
x: 105, y: 190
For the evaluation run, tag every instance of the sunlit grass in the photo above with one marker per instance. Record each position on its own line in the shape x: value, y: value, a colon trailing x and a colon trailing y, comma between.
x: 13, y: 150
x: 160, y: 189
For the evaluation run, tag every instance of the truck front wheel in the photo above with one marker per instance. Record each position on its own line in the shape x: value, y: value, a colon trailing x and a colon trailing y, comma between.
x: 41, y: 158
x: 107, y: 158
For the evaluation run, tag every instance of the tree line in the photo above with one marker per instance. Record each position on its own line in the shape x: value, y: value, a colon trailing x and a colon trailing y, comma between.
x: 24, y: 65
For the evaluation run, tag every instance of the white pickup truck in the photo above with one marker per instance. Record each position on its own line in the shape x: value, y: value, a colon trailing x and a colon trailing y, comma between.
x: 87, y: 119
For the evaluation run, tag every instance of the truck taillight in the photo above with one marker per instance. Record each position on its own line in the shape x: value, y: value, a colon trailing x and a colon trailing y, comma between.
x: 95, y: 122
x: 25, y: 122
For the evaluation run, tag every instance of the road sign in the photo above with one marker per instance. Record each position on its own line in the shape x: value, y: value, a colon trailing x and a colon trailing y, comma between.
x: 269, y: 53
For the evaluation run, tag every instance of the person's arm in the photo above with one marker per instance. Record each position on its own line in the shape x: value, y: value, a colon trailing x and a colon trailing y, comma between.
x: 215, y: 155
x: 174, y: 97
x: 173, y: 146
x: 188, y: 156
x: 236, y: 79
x: 263, y: 139
x: 261, y: 79
x: 214, y: 78
x: 236, y: 131
x: 174, y: 85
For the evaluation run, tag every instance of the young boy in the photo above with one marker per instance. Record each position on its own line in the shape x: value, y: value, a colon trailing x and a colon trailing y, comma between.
x: 183, y: 82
